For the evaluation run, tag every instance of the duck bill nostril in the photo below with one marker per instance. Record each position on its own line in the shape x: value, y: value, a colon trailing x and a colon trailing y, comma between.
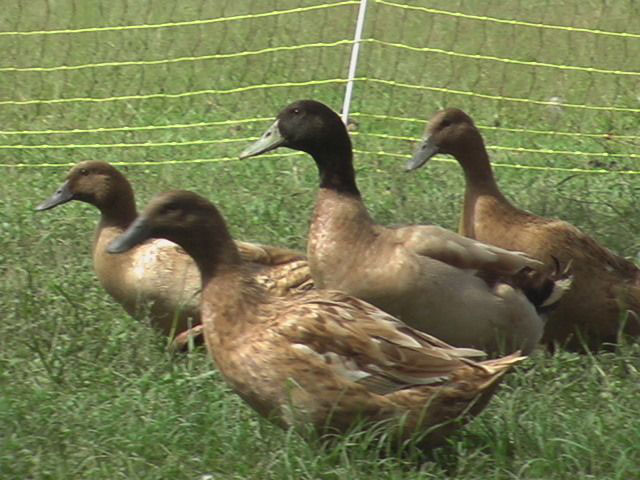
x: 62, y: 195
x: 423, y: 153
x: 270, y: 140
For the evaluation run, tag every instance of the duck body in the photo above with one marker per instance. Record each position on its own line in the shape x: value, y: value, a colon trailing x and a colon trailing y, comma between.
x: 432, y: 279
x: 158, y: 281
x: 318, y: 371
x: 448, y: 302
x: 318, y: 358
x: 604, y: 299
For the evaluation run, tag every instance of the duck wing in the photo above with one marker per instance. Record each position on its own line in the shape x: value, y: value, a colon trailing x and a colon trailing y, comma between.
x: 462, y: 252
x: 360, y: 343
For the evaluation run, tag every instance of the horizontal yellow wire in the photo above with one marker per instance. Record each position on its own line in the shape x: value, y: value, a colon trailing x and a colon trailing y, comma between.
x: 318, y: 82
x: 249, y: 139
x: 129, y: 145
x: 509, y: 22
x: 135, y: 129
x: 318, y: 7
x: 503, y: 129
x: 604, y: 136
x: 173, y: 95
x: 165, y: 61
x: 360, y: 152
x: 282, y: 48
x: 499, y: 97
x: 152, y: 162
x: 562, y: 152
x: 265, y: 119
x: 502, y: 59
x: 510, y: 165
x: 141, y: 163
x: 513, y: 149
x: 185, y: 23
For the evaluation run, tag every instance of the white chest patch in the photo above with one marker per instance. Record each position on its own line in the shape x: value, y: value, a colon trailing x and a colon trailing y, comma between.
x: 149, y: 257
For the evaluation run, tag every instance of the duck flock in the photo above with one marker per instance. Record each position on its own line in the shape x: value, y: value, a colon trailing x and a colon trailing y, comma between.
x: 387, y: 326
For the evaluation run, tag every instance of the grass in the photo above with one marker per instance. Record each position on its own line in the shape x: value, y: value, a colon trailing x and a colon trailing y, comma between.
x: 86, y: 392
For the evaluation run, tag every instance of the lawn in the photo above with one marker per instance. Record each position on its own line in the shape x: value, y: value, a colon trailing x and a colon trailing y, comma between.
x: 87, y: 392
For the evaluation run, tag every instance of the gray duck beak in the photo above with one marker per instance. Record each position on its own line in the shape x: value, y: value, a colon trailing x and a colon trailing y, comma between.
x: 62, y: 195
x: 423, y: 153
x: 270, y: 140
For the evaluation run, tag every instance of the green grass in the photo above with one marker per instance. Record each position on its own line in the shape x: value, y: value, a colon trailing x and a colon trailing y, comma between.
x: 86, y: 392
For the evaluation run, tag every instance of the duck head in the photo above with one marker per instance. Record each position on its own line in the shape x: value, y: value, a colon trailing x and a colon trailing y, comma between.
x: 450, y: 131
x: 97, y: 183
x: 184, y: 218
x: 312, y: 127
x: 305, y: 125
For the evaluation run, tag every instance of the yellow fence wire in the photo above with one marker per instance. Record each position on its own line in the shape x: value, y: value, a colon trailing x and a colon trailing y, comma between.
x: 519, y: 23
x: 301, y: 47
x: 190, y: 23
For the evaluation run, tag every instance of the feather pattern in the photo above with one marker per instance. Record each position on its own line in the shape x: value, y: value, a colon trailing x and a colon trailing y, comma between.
x: 448, y: 247
x: 158, y: 281
x: 464, y: 292
x: 604, y: 298
x: 319, y: 358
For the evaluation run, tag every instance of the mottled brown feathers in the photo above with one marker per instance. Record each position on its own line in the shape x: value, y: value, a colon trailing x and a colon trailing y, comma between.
x: 424, y: 275
x: 158, y: 281
x: 605, y: 296
x: 321, y: 358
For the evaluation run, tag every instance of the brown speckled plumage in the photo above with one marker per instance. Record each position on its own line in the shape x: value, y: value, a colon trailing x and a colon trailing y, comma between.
x: 435, y: 280
x: 318, y: 358
x: 605, y: 286
x: 158, y: 280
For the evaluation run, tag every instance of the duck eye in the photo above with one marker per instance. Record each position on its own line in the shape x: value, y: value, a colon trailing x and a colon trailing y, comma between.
x: 296, y: 111
x: 445, y: 123
x: 170, y: 209
x: 84, y: 172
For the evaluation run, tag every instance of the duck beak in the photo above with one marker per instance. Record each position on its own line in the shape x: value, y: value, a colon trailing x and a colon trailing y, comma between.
x: 62, y: 195
x: 423, y: 153
x: 270, y: 140
x: 138, y: 232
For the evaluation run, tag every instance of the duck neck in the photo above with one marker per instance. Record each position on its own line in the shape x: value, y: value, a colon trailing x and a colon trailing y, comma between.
x: 477, y: 171
x: 340, y: 226
x: 215, y: 253
x: 118, y: 209
x: 231, y: 297
x: 481, y: 186
x: 335, y: 165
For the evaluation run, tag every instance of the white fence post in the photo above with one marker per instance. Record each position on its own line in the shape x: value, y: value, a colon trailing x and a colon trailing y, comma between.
x: 354, y: 60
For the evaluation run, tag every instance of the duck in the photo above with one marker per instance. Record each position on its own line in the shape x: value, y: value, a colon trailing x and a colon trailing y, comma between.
x: 475, y: 294
x: 158, y: 281
x: 604, y: 299
x: 319, y: 360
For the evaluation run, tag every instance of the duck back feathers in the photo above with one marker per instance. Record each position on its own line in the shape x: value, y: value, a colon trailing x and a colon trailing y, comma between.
x: 158, y: 281
x: 432, y: 279
x: 604, y: 297
x: 319, y: 358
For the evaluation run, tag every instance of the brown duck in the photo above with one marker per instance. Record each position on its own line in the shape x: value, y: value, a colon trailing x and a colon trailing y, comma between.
x: 459, y: 290
x: 319, y: 358
x: 605, y: 296
x: 158, y: 280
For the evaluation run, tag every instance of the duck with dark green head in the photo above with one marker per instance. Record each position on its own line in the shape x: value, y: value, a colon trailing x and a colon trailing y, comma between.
x: 460, y: 290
